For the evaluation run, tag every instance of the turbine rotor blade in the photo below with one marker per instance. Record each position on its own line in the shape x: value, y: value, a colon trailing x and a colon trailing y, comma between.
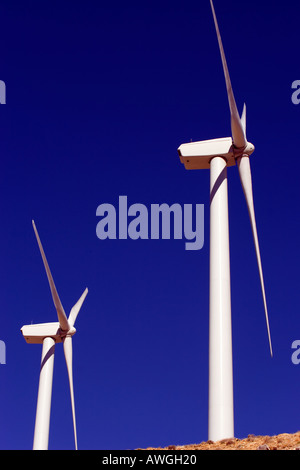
x: 246, y: 180
x: 76, y: 308
x: 62, y: 318
x: 238, y: 135
x: 243, y: 120
x: 68, y: 350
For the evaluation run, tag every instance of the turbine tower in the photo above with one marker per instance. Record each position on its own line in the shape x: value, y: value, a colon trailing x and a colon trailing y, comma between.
x: 217, y: 155
x: 49, y: 334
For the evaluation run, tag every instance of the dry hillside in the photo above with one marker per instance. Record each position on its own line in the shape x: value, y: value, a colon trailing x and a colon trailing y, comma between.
x: 280, y: 442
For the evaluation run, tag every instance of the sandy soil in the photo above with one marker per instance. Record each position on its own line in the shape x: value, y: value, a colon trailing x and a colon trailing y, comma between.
x: 280, y: 442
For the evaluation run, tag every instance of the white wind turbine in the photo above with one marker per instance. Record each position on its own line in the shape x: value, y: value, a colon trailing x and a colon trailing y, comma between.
x: 217, y: 155
x: 49, y: 334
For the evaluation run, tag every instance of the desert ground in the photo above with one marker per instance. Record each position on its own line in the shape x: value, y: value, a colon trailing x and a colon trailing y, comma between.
x: 283, y: 441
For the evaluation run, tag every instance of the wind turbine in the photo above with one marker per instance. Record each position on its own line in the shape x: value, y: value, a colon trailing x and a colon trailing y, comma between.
x: 217, y: 155
x: 49, y: 334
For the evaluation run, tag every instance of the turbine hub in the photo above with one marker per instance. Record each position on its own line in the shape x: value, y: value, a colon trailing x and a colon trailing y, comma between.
x: 239, y: 152
x: 249, y: 148
x: 69, y: 332
x: 72, y: 331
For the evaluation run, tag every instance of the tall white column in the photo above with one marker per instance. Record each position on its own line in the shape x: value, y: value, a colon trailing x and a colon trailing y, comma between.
x: 42, y: 420
x: 220, y: 410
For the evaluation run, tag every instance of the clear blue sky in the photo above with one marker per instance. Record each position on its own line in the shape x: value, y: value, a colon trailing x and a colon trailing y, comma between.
x: 99, y: 97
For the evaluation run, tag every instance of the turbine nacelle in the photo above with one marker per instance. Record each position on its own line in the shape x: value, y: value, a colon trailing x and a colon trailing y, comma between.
x: 35, y: 334
x: 198, y: 155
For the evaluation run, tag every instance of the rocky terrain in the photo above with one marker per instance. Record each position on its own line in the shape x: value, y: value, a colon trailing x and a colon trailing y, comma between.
x: 280, y: 442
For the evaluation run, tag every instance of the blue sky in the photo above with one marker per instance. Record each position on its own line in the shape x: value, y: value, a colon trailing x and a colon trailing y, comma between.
x: 99, y: 97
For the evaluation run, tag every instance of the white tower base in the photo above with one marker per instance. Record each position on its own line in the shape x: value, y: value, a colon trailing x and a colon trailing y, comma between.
x: 220, y: 410
x: 42, y: 420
